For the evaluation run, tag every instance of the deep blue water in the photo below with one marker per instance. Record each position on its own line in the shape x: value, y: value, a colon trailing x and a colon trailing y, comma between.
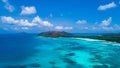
x: 32, y: 51
x: 16, y: 47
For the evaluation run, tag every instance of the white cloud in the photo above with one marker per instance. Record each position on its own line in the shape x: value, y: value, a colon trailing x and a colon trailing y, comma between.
x: 21, y: 22
x: 8, y: 6
x: 107, y: 28
x: 38, y: 20
x: 46, y: 23
x: 9, y: 20
x: 107, y: 22
x: 28, y: 10
x: 63, y: 28
x: 107, y: 6
x: 59, y: 27
x: 106, y: 25
x: 24, y: 22
x: 117, y: 26
x: 81, y: 22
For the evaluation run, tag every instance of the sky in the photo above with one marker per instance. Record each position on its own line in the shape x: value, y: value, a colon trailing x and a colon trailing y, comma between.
x: 78, y: 16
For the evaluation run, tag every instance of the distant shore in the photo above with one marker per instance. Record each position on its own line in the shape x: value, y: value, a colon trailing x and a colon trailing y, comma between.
x: 107, y: 37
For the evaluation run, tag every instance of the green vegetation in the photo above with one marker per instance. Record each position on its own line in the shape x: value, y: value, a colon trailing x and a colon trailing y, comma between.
x: 54, y: 34
x: 113, y: 37
x: 107, y: 37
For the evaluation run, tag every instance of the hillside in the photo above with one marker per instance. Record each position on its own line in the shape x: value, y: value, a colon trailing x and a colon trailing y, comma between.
x: 55, y: 34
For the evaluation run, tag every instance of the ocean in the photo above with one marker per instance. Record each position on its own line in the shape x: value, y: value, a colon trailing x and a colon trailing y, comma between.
x: 32, y: 51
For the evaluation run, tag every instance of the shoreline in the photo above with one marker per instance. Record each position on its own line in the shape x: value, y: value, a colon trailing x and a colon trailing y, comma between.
x: 59, y: 34
x: 89, y: 39
x: 85, y: 38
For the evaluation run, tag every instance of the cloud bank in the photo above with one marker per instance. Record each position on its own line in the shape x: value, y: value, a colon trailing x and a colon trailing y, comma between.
x: 36, y: 21
x: 107, y: 6
x: 81, y: 22
x: 63, y: 28
x: 8, y: 6
x: 28, y: 10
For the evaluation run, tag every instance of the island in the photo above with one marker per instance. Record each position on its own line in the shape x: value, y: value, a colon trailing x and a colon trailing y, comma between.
x: 113, y: 37
x: 55, y: 34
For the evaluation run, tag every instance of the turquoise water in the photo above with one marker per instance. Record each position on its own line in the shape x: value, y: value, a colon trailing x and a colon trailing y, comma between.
x: 31, y: 51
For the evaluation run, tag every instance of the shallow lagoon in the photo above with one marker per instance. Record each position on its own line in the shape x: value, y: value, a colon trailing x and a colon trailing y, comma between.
x: 31, y: 51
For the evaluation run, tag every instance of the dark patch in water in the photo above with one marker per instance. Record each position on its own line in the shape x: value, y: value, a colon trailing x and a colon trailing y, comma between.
x: 97, y: 56
x: 100, y: 66
x: 55, y: 67
x: 109, y: 56
x: 35, y: 65
x: 16, y: 66
x: 69, y: 61
x: 81, y: 47
x: 60, y: 48
x: 52, y: 62
x: 115, y: 66
x: 70, y: 54
x: 74, y: 66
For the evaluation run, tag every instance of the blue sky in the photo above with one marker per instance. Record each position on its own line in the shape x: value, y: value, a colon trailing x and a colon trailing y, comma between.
x: 80, y: 16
